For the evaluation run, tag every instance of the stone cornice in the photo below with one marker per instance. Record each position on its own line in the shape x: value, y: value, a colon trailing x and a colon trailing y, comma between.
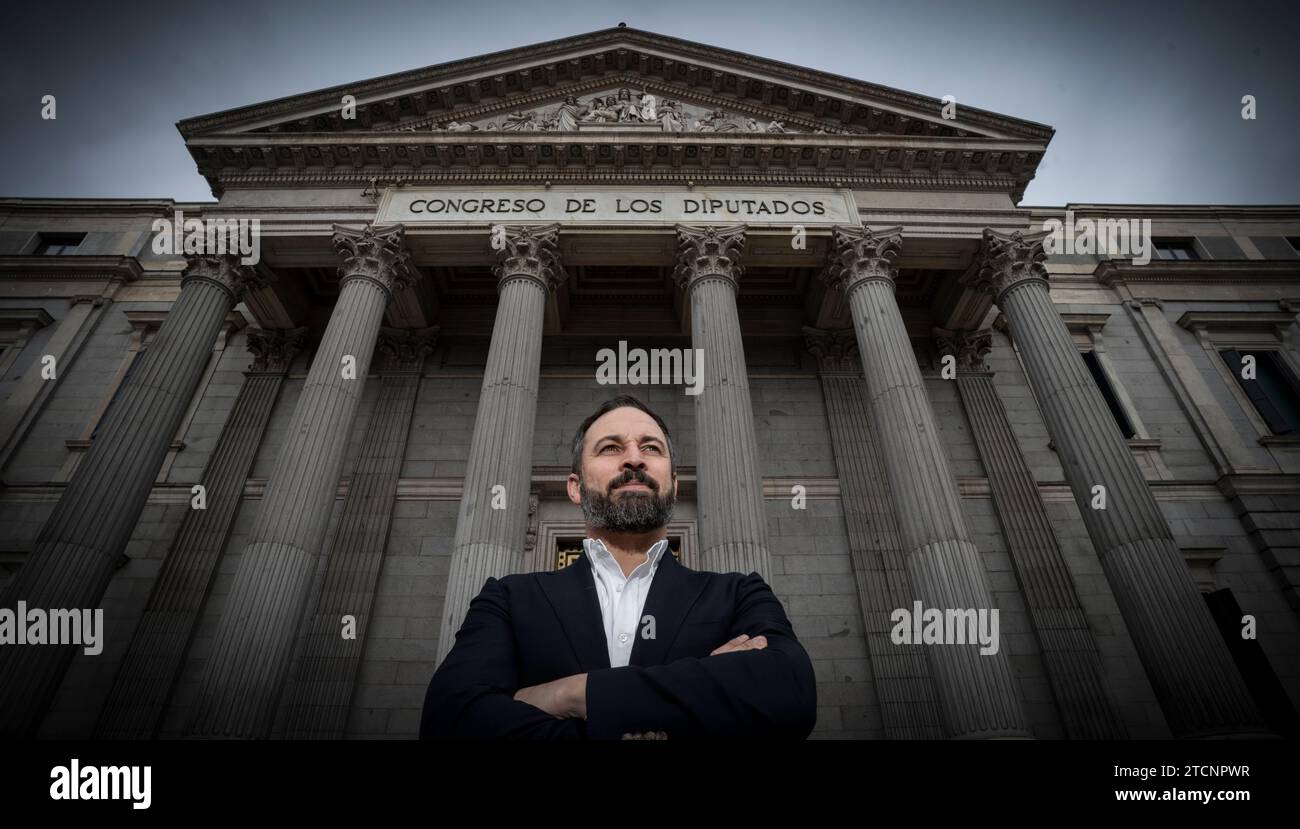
x: 835, y: 160
x: 1199, y: 271
x: 1090, y: 322
x: 629, y: 176
x: 1167, y: 212
x: 1235, y: 320
x: 125, y: 268
x: 1233, y: 486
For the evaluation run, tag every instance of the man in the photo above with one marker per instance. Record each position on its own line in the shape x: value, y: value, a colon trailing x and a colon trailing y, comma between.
x: 624, y: 643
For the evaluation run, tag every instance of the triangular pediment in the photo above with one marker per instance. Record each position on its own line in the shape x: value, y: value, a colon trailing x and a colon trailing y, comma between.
x: 716, y: 88
x: 624, y: 104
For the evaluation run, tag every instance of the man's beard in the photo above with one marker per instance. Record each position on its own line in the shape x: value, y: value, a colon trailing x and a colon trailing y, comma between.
x: 632, y: 511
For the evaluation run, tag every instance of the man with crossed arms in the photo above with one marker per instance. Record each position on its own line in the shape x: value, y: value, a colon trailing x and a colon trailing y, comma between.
x: 624, y: 643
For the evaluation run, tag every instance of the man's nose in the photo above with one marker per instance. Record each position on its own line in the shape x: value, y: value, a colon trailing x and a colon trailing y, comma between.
x: 634, y: 459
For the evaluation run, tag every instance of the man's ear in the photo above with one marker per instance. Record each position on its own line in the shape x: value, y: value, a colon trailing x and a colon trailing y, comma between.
x: 575, y: 495
x: 674, y: 485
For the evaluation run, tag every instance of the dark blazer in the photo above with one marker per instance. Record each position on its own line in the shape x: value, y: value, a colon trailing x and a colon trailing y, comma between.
x: 531, y: 628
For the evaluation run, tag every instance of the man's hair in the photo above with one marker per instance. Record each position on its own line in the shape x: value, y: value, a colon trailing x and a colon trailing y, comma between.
x: 619, y: 402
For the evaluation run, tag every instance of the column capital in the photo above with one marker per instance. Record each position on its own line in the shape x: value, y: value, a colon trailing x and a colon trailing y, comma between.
x: 859, y: 254
x: 224, y: 271
x: 1005, y: 261
x: 709, y: 252
x: 273, y: 349
x: 836, y: 349
x: 404, y: 349
x: 377, y: 255
x: 968, y: 347
x: 528, y: 252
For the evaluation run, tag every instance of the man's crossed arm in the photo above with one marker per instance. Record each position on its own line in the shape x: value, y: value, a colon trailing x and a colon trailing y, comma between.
x: 759, y: 684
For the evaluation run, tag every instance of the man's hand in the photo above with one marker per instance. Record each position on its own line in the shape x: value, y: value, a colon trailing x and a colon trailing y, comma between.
x: 741, y: 643
x: 562, y: 698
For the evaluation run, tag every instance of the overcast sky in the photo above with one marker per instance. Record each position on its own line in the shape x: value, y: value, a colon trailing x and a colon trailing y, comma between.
x: 1145, y: 97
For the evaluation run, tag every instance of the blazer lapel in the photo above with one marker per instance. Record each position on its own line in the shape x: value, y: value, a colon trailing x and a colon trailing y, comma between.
x: 672, y: 593
x: 573, y: 597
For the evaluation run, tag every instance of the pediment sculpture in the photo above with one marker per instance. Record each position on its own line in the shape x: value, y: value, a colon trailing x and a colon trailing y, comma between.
x: 625, y: 109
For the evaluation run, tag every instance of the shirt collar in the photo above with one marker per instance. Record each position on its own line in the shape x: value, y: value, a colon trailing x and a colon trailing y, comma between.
x: 597, y: 551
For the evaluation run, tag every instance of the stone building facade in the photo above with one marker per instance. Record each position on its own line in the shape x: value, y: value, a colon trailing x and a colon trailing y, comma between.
x: 903, y: 397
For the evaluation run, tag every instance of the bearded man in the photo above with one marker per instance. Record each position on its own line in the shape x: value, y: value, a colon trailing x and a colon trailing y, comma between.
x: 626, y: 642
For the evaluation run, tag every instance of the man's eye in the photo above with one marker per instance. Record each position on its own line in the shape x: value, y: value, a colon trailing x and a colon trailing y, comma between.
x: 610, y: 446
x: 652, y: 448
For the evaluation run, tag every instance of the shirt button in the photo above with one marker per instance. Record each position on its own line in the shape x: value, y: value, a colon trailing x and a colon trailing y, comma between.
x: 622, y: 638
x: 618, y: 588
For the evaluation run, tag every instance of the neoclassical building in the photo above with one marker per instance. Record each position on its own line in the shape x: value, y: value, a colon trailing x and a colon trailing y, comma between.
x: 283, y: 475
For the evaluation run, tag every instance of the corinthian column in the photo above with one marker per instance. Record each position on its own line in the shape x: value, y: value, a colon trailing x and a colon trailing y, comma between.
x: 733, y: 523
x: 493, y: 516
x: 977, y: 693
x: 317, y: 697
x: 77, y: 550
x: 254, y: 639
x: 1069, y: 652
x: 1186, y: 659
x: 153, y: 662
x: 909, y: 708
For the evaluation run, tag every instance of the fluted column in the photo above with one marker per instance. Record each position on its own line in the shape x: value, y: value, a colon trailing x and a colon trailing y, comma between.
x: 732, y: 520
x: 319, y: 692
x: 250, y: 659
x: 1060, y: 624
x: 1188, y: 663
x: 978, y: 693
x: 154, y: 660
x: 493, y: 517
x: 77, y: 550
x: 909, y: 704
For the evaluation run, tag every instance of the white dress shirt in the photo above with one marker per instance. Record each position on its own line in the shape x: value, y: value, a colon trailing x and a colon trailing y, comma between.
x: 621, y: 598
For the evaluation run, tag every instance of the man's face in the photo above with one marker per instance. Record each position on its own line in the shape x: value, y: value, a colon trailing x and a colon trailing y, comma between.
x: 627, y: 484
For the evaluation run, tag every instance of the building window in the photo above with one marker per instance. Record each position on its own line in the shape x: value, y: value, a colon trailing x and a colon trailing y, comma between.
x: 1176, y: 249
x: 1108, y: 392
x: 59, y: 244
x: 1273, y: 392
x: 1294, y: 241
